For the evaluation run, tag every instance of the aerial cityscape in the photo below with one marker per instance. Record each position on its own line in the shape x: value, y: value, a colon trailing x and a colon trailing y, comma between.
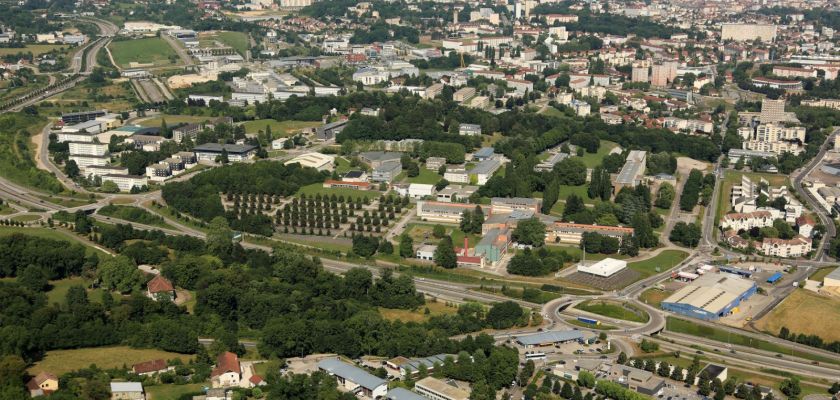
x: 420, y: 200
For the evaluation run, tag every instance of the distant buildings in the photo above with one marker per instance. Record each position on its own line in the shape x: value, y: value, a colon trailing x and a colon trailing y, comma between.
x: 748, y: 32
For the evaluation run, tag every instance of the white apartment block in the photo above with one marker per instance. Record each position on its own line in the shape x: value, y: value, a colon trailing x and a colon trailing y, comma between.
x: 86, y: 161
x: 796, y: 247
x: 747, y: 221
x: 126, y: 182
x: 88, y: 148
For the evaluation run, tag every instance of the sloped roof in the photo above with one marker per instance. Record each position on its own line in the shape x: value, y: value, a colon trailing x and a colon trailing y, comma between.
x: 149, y: 366
x: 227, y: 362
x: 159, y: 284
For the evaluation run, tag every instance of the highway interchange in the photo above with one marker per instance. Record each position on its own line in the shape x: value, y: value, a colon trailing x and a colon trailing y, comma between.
x: 555, y: 312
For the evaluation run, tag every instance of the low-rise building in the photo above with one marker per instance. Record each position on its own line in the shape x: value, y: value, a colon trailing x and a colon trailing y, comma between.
x: 319, y: 161
x: 434, y: 163
x: 377, y: 158
x: 502, y: 205
x: 355, y: 379
x: 435, y: 389
x: 747, y: 221
x: 638, y: 380
x: 187, y: 131
x: 604, y: 268
x: 469, y: 129
x: 633, y: 170
x: 799, y: 246
x: 126, y: 182
x: 127, y: 391
x: 494, y: 245
x: 152, y: 367
x: 456, y: 193
x: 228, y: 371
x: 160, y: 288
x: 572, y: 233
x: 235, y: 152
x: 386, y: 172
x: 42, y: 384
x: 443, y: 212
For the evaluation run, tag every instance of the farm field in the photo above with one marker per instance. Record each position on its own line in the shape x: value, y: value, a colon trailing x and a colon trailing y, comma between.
x: 61, y: 361
x: 279, y: 129
x: 805, y: 312
x: 144, y: 51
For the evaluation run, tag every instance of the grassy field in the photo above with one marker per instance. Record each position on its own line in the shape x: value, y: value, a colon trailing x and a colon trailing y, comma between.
x: 153, y: 50
x: 665, y: 260
x: 61, y: 361
x: 134, y: 214
x: 172, y: 392
x: 418, y: 315
x: 319, y: 188
x: 171, y: 120
x: 654, y: 296
x: 60, y: 288
x: 17, y: 155
x: 731, y: 178
x: 85, y: 96
x: 426, y: 176
x: 35, y: 49
x: 65, y: 202
x: 805, y: 312
x: 820, y: 274
x: 592, y: 160
x: 279, y: 129
x: 614, y: 309
x: 26, y: 217
x: 48, y: 233
x: 237, y: 40
x: 690, y: 328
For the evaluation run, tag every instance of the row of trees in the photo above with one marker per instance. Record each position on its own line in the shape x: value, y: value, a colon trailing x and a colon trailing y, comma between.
x: 697, y: 188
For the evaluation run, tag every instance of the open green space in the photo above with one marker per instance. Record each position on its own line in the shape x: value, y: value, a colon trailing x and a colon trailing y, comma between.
x: 419, y: 314
x: 593, y: 160
x: 687, y: 327
x: 821, y: 273
x: 316, y: 188
x: 173, y: 392
x: 279, y: 129
x: 26, y: 217
x: 17, y: 158
x: 134, y: 214
x: 171, y: 120
x: 48, y: 233
x: 60, y: 287
x: 665, y: 260
x: 237, y: 40
x: 154, y: 50
x: 426, y: 176
x: 35, y: 49
x: 61, y: 361
x: 342, y: 166
x: 654, y: 296
x: 65, y: 201
x: 114, y: 95
x: 614, y: 309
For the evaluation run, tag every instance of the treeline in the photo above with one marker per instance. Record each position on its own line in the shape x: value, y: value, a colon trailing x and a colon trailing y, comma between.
x: 199, y: 196
x: 612, y: 24
x: 697, y: 187
x: 809, y: 340
x: 538, y: 262
x: 382, y: 32
x: 53, y: 259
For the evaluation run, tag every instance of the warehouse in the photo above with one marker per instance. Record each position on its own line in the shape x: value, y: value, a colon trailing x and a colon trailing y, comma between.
x: 604, y: 268
x: 710, y: 296
x: 550, y: 338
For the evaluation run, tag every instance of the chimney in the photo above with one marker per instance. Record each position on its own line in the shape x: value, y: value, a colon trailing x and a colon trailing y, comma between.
x: 466, y: 244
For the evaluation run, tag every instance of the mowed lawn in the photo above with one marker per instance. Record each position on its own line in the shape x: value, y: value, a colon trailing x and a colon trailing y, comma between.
x: 805, y: 312
x: 614, y: 309
x: 665, y: 260
x: 172, y: 392
x: 426, y: 176
x: 593, y: 160
x: 353, y: 193
x: 237, y: 40
x: 279, y: 129
x: 144, y: 51
x: 61, y: 361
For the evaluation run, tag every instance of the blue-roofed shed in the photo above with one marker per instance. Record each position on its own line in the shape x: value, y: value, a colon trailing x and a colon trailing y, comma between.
x: 774, y: 278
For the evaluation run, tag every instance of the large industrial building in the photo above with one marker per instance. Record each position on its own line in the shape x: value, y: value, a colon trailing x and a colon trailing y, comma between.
x: 604, y: 268
x: 710, y: 296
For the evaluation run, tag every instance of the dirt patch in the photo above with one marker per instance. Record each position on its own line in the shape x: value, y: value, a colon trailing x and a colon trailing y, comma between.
x: 685, y: 165
x: 805, y: 312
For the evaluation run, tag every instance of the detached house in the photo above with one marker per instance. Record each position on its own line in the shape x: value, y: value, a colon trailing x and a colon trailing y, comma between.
x: 42, y: 384
x: 227, y: 372
x: 160, y: 287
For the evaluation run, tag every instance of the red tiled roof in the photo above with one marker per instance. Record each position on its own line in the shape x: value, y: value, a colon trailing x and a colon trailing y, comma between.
x: 227, y: 362
x: 149, y: 366
x: 256, y: 379
x: 159, y: 284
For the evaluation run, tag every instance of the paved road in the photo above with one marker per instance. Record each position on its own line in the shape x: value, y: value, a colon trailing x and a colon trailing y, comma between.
x: 825, y: 218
